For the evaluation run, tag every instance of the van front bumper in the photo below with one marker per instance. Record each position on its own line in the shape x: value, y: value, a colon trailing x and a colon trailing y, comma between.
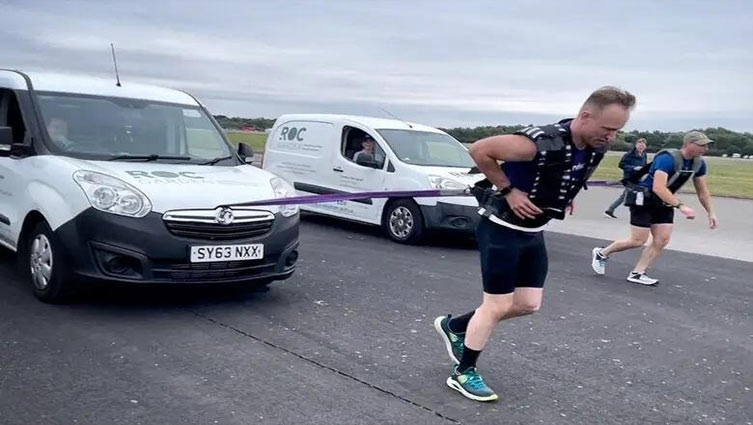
x: 107, y: 247
x: 445, y: 216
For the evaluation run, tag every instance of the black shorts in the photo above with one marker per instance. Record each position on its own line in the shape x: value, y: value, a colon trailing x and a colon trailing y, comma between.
x: 510, y: 258
x: 641, y: 216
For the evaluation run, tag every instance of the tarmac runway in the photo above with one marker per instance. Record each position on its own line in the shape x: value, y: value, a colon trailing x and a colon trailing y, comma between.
x: 349, y: 340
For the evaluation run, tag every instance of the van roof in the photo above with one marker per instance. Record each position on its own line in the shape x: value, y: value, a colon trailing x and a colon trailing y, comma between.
x: 371, y: 122
x: 91, y: 85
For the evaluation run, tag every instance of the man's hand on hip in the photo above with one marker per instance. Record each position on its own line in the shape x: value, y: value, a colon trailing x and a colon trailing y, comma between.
x: 521, y: 205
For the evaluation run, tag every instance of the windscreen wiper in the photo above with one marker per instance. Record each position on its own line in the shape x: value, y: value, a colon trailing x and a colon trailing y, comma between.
x: 216, y: 160
x: 152, y: 157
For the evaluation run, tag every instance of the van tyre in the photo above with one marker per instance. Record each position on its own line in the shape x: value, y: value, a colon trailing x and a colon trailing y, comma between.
x: 44, y: 265
x: 404, y: 222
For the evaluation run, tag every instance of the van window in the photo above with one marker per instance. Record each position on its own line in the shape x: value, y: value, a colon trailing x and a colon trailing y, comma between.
x: 10, y: 115
x: 427, y: 148
x: 201, y: 135
x: 356, y: 143
x: 98, y: 127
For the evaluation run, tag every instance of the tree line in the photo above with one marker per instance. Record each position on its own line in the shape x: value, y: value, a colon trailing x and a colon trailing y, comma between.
x: 727, y: 141
x: 236, y: 123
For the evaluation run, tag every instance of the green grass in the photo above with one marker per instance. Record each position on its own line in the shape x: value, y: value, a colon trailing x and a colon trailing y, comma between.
x: 255, y: 140
x: 726, y: 176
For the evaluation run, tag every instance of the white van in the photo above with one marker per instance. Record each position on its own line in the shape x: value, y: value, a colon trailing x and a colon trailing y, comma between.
x: 322, y: 154
x: 131, y: 184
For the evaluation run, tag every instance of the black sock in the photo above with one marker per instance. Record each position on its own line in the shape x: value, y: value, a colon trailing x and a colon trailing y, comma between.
x: 459, y: 324
x: 468, y: 360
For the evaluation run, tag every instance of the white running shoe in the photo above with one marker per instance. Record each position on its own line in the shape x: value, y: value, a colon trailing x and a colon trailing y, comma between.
x: 642, y: 279
x: 598, y: 261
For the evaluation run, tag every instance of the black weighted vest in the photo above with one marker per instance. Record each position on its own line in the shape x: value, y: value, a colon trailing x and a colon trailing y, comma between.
x: 553, y: 188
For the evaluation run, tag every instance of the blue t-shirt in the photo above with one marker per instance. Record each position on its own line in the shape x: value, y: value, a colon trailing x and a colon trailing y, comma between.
x: 665, y: 162
x: 521, y: 174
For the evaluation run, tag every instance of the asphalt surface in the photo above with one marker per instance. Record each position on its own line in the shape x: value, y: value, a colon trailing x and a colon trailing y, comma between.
x: 349, y: 340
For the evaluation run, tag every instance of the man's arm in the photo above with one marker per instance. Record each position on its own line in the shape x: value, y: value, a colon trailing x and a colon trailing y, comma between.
x: 486, y: 152
x: 702, y: 190
x: 660, y: 189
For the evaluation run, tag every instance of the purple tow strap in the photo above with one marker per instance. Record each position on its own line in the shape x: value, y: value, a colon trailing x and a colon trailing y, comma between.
x: 334, y: 197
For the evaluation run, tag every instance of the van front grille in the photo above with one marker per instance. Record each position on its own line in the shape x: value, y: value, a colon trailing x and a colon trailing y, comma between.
x: 209, y: 225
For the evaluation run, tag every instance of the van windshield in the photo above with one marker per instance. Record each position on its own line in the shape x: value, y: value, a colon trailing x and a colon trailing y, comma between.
x: 94, y: 127
x: 427, y: 148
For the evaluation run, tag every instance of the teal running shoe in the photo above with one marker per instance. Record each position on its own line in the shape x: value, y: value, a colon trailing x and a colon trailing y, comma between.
x: 471, y: 385
x: 452, y: 341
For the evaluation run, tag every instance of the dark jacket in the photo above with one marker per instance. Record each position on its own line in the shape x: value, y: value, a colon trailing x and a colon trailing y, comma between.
x: 631, y: 160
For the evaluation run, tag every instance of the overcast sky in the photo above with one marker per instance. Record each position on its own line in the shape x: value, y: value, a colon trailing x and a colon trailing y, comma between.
x: 442, y: 63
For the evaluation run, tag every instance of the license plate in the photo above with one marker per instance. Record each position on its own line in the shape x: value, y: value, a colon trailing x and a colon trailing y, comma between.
x: 212, y: 253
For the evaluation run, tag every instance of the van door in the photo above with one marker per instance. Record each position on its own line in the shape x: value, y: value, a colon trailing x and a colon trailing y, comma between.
x: 12, y: 170
x: 348, y: 175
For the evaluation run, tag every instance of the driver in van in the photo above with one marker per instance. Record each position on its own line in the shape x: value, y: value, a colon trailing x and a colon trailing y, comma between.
x: 57, y: 128
x: 368, y: 150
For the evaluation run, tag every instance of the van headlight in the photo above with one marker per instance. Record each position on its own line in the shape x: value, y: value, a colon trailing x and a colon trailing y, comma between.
x: 439, y: 182
x: 112, y: 195
x: 283, y: 189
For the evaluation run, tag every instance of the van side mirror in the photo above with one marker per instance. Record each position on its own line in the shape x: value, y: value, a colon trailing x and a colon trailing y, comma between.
x: 246, y: 153
x: 6, y: 140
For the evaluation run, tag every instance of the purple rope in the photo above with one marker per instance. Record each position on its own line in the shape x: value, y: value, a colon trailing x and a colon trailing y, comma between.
x: 334, y: 197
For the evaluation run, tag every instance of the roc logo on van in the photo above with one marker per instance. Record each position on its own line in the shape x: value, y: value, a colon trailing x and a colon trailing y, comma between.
x: 292, y: 133
x: 224, y: 216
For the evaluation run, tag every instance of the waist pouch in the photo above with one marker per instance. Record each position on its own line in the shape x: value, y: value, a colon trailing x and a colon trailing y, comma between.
x: 639, y: 196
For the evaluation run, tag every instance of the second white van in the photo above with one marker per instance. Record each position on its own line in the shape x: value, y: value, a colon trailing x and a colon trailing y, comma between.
x: 324, y: 154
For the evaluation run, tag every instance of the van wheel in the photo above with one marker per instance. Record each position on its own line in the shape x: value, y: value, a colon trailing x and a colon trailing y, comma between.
x: 44, y: 266
x: 404, y: 222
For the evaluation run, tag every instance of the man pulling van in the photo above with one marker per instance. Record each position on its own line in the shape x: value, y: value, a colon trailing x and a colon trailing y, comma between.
x: 323, y: 154
x: 132, y: 184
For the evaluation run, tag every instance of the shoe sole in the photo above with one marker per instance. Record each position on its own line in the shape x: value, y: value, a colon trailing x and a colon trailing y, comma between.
x: 457, y: 387
x: 609, y: 216
x: 447, y: 342
x: 593, y: 258
x: 638, y: 282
